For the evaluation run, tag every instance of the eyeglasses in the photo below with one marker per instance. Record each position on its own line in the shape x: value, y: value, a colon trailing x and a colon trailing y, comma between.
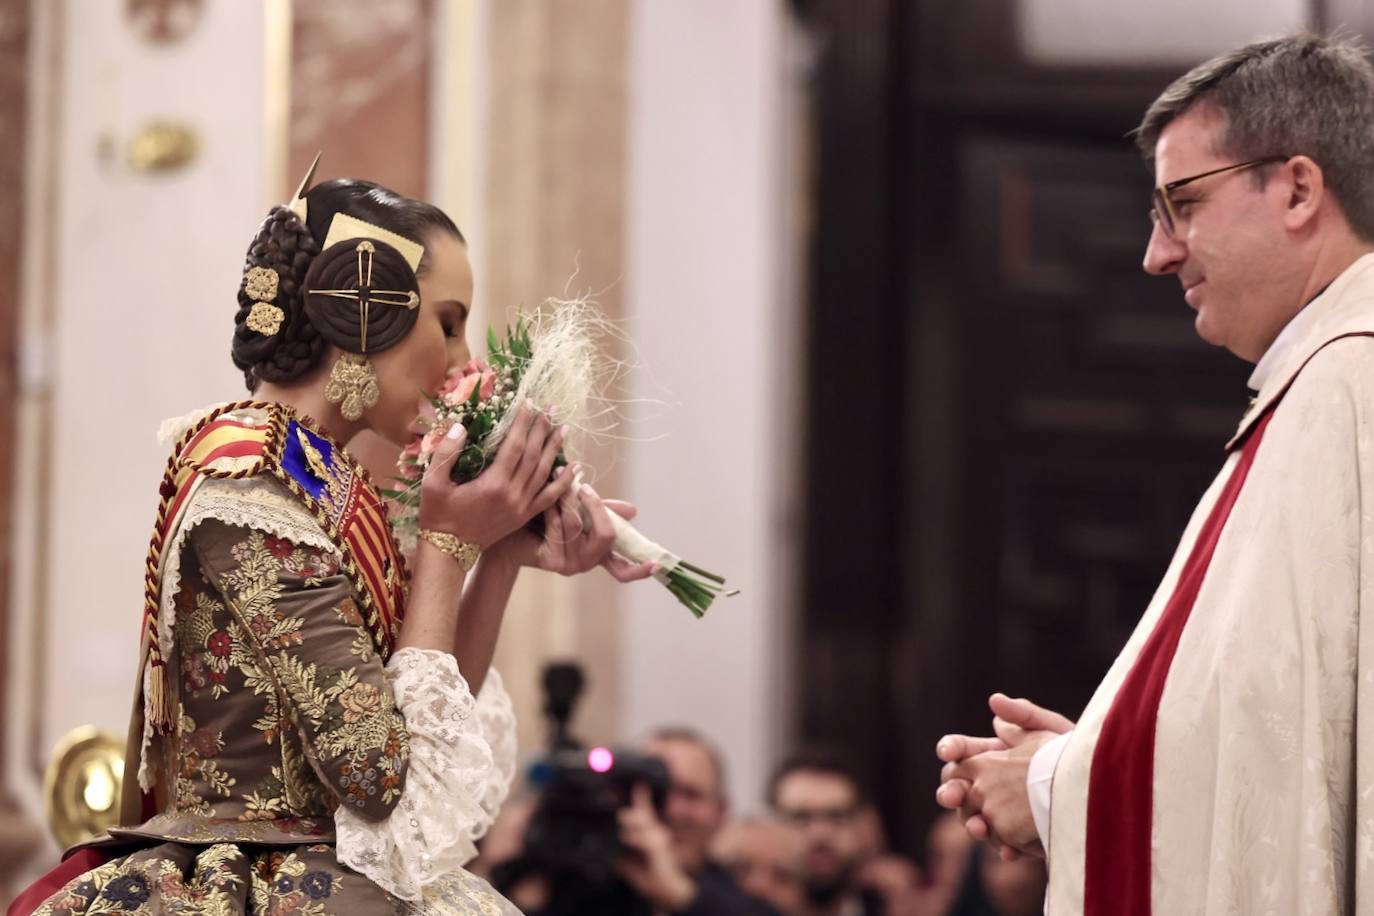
x: 801, y: 817
x: 1163, y: 211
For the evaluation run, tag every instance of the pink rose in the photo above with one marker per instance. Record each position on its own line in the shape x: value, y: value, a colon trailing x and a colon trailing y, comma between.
x: 450, y: 383
x: 431, y: 441
x: 476, y: 375
x: 463, y: 390
x: 409, y: 462
x: 455, y: 376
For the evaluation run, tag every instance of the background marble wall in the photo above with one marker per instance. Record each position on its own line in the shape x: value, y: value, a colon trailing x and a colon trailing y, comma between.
x: 17, y: 832
x: 124, y: 319
x: 360, y: 91
x: 711, y: 301
x: 554, y: 210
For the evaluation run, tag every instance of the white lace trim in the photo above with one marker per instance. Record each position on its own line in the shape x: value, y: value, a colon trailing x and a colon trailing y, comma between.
x: 260, y: 503
x: 172, y: 428
x: 454, y: 785
x: 496, y: 715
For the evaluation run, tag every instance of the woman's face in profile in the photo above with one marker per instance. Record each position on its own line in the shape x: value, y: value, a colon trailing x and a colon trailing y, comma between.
x: 419, y: 363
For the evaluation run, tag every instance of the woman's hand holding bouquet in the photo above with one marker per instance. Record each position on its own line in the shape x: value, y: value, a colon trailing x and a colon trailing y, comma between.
x: 512, y: 461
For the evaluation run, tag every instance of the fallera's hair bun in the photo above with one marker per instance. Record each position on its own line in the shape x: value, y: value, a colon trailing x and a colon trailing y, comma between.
x: 362, y: 296
x: 285, y: 246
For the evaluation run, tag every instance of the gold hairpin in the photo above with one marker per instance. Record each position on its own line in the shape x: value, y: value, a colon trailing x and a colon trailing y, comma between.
x: 364, y: 295
x: 409, y: 299
x: 298, y: 202
x: 261, y: 285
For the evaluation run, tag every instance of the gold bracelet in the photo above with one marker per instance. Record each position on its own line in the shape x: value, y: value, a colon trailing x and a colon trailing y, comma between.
x: 465, y: 553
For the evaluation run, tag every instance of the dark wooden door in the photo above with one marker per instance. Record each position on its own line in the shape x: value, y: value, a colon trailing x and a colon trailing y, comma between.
x: 1026, y: 419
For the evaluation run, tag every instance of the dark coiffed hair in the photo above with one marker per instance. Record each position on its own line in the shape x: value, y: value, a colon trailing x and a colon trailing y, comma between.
x: 289, y: 247
x: 827, y: 760
x: 1297, y: 95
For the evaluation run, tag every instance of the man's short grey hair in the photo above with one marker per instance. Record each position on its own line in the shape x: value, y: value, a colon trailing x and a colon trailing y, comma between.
x: 682, y: 734
x: 1297, y: 95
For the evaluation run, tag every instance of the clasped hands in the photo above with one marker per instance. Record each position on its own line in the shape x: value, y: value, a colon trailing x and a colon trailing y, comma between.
x: 491, y: 511
x: 984, y: 779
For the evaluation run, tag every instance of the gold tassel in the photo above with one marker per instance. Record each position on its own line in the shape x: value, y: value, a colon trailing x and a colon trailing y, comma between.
x: 160, y: 716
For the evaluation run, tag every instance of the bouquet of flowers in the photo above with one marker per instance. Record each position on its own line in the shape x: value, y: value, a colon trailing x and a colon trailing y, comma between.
x: 551, y: 359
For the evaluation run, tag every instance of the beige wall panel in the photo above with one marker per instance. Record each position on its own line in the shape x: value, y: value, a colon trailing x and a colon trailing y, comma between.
x: 554, y: 222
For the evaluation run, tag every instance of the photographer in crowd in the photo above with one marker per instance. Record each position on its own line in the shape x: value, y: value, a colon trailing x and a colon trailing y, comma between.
x: 667, y: 858
x: 618, y: 834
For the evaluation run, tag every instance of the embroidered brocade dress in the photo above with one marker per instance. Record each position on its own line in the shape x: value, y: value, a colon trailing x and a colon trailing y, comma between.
x: 305, y: 772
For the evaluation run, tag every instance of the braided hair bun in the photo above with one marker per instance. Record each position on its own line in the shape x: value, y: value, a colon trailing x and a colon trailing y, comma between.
x: 359, y: 279
x: 291, y: 249
x: 283, y: 245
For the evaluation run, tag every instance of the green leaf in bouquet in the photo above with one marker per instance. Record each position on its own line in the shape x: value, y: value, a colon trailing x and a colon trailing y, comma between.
x: 480, y: 425
x: 520, y: 346
x: 471, y: 462
x: 493, y: 344
x: 406, y: 497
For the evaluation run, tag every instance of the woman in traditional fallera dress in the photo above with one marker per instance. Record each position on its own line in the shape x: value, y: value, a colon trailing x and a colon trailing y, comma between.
x: 317, y: 730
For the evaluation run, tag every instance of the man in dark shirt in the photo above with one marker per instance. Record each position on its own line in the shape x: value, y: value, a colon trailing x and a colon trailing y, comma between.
x: 667, y: 861
x: 818, y: 795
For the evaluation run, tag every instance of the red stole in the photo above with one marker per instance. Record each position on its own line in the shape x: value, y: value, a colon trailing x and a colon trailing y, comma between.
x: 1121, y: 782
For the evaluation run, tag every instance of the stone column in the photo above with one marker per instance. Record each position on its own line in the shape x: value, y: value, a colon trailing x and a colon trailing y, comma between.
x: 360, y: 76
x: 18, y: 836
x: 555, y: 225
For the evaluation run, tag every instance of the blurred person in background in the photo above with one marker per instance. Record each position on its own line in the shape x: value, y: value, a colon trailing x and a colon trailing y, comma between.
x: 993, y: 886
x: 764, y: 858
x: 667, y: 859
x: 664, y: 863
x: 817, y: 794
x: 948, y: 848
x: 892, y: 880
x: 902, y: 888
x: 872, y: 833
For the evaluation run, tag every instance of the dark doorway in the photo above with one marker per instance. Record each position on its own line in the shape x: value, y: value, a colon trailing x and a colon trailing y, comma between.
x: 1009, y: 423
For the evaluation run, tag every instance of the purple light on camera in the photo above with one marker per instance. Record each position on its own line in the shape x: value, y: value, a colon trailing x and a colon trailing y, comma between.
x: 600, y: 759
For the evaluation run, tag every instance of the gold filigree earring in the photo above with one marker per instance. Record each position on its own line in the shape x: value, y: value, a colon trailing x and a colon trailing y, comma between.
x: 353, y: 385
x: 261, y: 286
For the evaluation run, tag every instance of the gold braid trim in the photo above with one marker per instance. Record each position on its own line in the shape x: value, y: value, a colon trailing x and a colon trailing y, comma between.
x: 160, y: 716
x: 281, y: 418
x: 158, y: 701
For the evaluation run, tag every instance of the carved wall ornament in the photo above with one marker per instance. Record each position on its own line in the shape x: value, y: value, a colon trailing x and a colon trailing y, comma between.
x: 163, y: 146
x: 164, y: 21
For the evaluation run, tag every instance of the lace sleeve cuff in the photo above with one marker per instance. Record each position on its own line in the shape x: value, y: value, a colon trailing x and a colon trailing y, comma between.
x: 453, y: 786
x: 496, y: 715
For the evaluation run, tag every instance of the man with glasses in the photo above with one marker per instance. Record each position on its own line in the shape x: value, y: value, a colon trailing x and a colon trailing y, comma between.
x: 1226, y: 763
x: 817, y: 796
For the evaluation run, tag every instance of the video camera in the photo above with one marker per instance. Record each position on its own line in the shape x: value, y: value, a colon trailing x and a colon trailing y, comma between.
x: 573, y: 838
